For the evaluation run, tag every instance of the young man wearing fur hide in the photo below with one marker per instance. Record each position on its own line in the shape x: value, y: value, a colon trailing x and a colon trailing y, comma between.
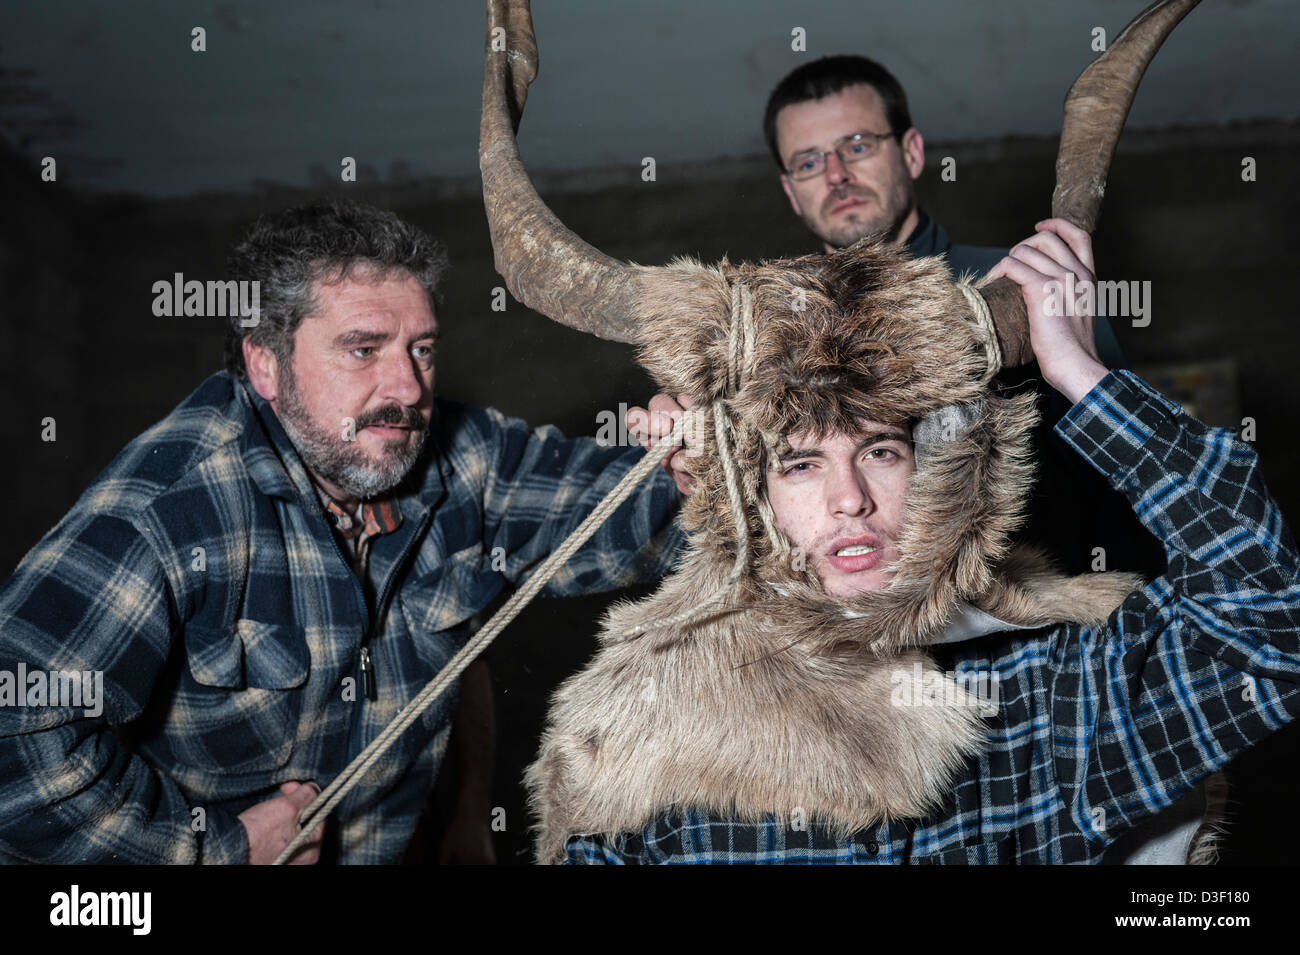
x: 808, y: 686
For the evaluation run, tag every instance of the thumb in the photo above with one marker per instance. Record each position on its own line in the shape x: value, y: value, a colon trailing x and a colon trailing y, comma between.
x: 303, y: 796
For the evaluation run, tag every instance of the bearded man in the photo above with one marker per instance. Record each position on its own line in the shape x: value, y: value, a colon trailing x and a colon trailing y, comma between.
x: 775, y: 700
x: 266, y: 577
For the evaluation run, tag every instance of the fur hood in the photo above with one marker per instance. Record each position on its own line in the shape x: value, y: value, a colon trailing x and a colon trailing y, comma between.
x: 777, y: 696
x: 864, y: 332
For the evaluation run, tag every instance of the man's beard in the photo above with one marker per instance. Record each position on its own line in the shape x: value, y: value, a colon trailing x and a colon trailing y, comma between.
x: 344, y: 463
x: 887, y: 225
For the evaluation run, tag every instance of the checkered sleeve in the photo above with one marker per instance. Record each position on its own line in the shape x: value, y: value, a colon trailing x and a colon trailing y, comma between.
x: 1204, y: 661
x: 541, y: 486
x: 91, y: 601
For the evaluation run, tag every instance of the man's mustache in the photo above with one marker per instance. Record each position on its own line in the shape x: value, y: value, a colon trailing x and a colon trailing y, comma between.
x: 391, y: 414
x: 842, y: 192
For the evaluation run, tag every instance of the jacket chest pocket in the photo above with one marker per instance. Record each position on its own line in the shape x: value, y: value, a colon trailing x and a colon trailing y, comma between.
x: 446, y: 600
x: 238, y: 710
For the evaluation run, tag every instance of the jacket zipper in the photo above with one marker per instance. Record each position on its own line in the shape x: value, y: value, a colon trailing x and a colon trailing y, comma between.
x: 369, y: 679
x: 368, y: 685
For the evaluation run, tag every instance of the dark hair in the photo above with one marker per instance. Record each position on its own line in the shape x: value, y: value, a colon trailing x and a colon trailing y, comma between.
x: 288, y: 252
x: 827, y: 76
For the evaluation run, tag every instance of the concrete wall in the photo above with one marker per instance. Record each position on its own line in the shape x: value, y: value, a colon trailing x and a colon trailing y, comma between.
x: 87, y: 350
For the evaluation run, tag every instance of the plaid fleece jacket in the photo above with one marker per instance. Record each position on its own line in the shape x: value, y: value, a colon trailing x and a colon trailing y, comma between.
x: 1096, y: 729
x: 198, y: 575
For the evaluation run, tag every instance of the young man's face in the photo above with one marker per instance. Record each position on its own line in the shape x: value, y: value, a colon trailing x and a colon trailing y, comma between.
x: 357, y: 397
x: 848, y: 201
x: 840, y: 499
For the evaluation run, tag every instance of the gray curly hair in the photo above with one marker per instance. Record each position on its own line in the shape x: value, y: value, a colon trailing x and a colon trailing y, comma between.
x: 289, y: 251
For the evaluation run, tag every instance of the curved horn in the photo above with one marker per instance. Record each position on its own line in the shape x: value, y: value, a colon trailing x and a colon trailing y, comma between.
x: 545, y: 266
x: 1095, y: 110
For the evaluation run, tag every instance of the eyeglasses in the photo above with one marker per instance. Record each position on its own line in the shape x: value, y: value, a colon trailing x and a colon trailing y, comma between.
x: 855, y: 148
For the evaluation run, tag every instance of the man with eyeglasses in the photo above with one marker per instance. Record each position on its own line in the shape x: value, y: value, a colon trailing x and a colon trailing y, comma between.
x: 841, y: 133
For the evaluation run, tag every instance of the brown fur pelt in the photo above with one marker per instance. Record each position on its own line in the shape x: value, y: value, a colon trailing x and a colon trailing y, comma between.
x: 736, y: 717
x: 781, y: 699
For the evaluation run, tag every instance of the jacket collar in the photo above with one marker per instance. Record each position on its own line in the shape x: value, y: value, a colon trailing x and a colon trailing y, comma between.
x: 928, y: 238
x: 967, y: 623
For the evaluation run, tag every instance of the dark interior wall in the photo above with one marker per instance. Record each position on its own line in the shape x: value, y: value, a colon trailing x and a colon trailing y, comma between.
x: 88, y: 352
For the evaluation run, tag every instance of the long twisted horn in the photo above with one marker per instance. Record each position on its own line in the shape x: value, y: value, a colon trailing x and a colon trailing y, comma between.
x: 545, y: 265
x: 1095, y: 110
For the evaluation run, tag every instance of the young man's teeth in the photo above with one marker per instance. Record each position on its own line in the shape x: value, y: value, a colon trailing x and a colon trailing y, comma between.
x: 855, y: 551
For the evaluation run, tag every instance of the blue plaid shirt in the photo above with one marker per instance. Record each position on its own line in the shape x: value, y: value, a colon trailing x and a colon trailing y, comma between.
x: 199, y: 576
x: 1096, y: 729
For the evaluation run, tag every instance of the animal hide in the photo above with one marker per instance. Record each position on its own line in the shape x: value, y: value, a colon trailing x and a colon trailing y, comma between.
x: 780, y: 698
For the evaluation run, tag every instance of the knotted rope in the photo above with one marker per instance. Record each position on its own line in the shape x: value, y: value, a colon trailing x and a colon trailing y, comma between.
x: 740, y: 360
x: 987, y: 328
x: 334, y: 793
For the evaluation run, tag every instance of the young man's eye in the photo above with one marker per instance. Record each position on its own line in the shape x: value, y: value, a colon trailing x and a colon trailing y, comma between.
x: 799, y: 467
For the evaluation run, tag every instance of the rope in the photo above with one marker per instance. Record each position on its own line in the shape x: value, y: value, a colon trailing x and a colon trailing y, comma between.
x: 333, y: 794
x: 740, y: 356
x: 988, y: 330
x: 721, y: 423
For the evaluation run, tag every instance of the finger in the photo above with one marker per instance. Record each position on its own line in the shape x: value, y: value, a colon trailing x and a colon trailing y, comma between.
x: 1023, y: 274
x: 286, y: 788
x: 1055, y: 248
x: 685, y: 400
x: 303, y: 796
x: 636, y: 419
x: 1042, y: 263
x: 665, y: 421
x: 662, y: 402
x: 306, y: 856
x: 1076, y: 238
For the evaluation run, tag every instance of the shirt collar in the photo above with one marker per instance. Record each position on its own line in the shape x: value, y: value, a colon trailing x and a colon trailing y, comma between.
x: 967, y: 623
x: 372, y: 518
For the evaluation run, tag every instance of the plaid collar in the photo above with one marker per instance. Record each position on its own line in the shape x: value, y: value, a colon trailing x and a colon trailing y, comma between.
x: 380, y: 516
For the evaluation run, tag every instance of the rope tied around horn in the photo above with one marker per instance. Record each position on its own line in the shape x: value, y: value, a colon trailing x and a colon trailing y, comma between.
x: 988, y: 330
x: 742, y: 337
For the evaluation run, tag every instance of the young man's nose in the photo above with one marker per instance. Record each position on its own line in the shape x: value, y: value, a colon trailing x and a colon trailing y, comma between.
x: 848, y: 494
